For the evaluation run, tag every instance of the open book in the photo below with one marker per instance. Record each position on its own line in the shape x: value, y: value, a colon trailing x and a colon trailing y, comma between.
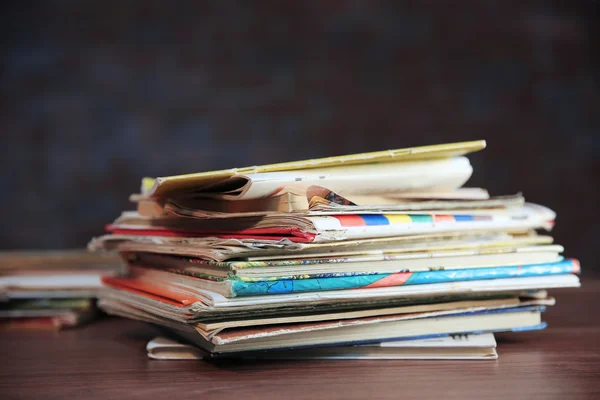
x: 444, y: 169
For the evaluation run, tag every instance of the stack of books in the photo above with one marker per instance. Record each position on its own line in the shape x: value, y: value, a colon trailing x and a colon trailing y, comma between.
x: 51, y: 289
x: 342, y: 255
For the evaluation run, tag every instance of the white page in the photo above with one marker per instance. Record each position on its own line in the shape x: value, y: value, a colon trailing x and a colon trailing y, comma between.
x: 369, y: 179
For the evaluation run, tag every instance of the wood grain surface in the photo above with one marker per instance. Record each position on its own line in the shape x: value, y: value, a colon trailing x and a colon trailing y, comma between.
x: 107, y: 359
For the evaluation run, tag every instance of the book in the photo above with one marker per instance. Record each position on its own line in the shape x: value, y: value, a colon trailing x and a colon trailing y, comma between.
x: 52, y: 289
x: 366, y: 331
x: 358, y: 331
x: 42, y: 307
x: 220, y: 249
x: 209, y: 328
x: 165, y: 187
x: 233, y: 287
x: 300, y: 228
x: 53, y: 262
x: 191, y: 301
x: 455, y: 347
x: 56, y: 313
x: 327, y: 266
x: 71, y: 271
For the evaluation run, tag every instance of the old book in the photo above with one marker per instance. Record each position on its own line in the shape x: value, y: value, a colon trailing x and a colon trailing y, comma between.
x: 235, y: 179
x: 303, y: 228
x: 454, y: 347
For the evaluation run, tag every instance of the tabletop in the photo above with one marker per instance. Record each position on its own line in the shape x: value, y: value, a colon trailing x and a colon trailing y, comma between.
x: 107, y: 359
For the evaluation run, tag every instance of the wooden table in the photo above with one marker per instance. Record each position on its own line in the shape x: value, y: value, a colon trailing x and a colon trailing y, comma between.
x: 107, y: 360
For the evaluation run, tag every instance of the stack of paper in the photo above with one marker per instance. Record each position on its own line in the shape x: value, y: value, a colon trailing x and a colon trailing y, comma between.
x: 333, y: 252
x: 51, y: 289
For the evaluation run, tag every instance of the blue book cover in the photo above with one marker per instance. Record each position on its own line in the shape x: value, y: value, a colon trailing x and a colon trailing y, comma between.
x: 243, y: 288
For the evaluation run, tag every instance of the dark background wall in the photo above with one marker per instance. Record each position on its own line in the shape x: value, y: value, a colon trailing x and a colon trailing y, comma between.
x: 94, y: 95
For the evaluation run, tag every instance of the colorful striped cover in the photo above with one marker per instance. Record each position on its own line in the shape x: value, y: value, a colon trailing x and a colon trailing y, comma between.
x: 324, y: 228
x: 350, y: 220
x: 358, y: 226
x: 242, y: 288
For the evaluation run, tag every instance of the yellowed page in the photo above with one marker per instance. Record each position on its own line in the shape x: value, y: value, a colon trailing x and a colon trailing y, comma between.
x: 161, y: 187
